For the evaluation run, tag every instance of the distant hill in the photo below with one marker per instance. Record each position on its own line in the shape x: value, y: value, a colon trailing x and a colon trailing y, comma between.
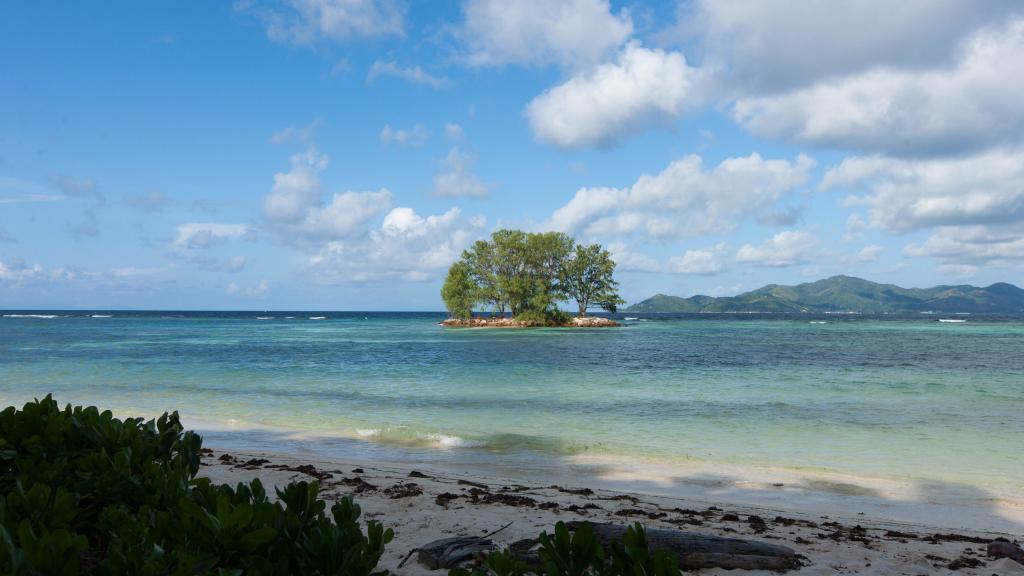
x: 848, y: 294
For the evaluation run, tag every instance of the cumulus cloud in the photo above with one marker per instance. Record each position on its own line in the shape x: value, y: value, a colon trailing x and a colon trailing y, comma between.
x: 415, y: 136
x: 704, y: 262
x: 406, y: 246
x: 307, y: 21
x: 414, y: 74
x: 972, y: 246
x: 904, y: 195
x: 627, y: 260
x: 685, y: 199
x: 569, y: 33
x: 789, y: 248
x: 870, y: 253
x: 777, y: 45
x: 457, y: 178
x: 453, y: 131
x: 787, y: 216
x: 970, y: 104
x: 207, y: 234
x: 295, y: 206
x: 641, y: 89
x: 855, y: 226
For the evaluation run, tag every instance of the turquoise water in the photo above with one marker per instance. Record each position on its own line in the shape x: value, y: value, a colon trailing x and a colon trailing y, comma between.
x: 891, y: 398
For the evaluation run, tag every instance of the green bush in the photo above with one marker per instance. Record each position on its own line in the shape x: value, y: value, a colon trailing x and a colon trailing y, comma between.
x: 581, y: 554
x: 82, y: 492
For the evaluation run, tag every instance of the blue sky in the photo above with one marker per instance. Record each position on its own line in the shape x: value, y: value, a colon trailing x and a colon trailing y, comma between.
x: 339, y: 154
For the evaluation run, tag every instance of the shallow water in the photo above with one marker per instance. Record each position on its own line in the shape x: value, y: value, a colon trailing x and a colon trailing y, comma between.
x: 896, y: 399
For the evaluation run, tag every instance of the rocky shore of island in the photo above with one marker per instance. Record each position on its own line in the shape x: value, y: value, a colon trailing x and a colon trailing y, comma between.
x: 576, y: 322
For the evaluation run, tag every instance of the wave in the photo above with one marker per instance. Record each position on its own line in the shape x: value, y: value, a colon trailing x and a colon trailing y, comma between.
x: 630, y: 318
x: 101, y: 316
x: 318, y: 317
x: 30, y: 316
x: 817, y: 322
x: 264, y: 317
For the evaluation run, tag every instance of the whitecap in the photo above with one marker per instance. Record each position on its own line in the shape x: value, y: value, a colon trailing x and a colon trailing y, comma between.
x: 318, y: 317
x: 630, y: 318
x: 30, y: 316
x: 264, y: 317
x: 101, y: 316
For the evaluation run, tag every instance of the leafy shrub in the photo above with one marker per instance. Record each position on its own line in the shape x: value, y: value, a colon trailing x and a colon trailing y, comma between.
x: 82, y: 492
x: 581, y: 554
x: 550, y: 317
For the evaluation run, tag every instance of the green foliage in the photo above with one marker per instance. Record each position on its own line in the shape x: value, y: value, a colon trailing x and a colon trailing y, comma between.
x: 459, y: 292
x: 588, y: 278
x: 528, y: 274
x: 581, y: 554
x: 86, y: 493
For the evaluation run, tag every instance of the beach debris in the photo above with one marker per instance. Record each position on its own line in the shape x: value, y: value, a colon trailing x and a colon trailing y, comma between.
x: 482, y: 497
x: 639, y: 512
x: 307, y: 469
x: 548, y: 506
x: 695, y: 551
x: 575, y: 491
x: 757, y: 524
x: 417, y: 474
x: 252, y: 463
x: 403, y: 490
x: 1003, y: 548
x: 450, y: 552
x: 965, y: 562
x: 358, y: 484
x: 474, y: 484
x: 900, y: 535
x: 937, y: 538
x: 444, y: 499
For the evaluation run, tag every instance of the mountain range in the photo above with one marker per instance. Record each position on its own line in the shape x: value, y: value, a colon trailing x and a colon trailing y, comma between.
x: 848, y: 294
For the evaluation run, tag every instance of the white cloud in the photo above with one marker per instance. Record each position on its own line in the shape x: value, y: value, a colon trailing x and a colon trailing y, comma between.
x: 870, y: 253
x: 453, y: 131
x: 301, y: 134
x: 705, y: 262
x: 970, y: 104
x: 294, y: 191
x: 457, y: 178
x: 641, y: 89
x: 415, y: 74
x: 133, y: 271
x: 777, y: 45
x: 257, y: 291
x: 296, y: 209
x: 626, y: 260
x: 19, y: 271
x: 207, y: 234
x: 789, y: 248
x: 306, y: 21
x: 904, y: 195
x: 972, y: 246
x: 683, y: 200
x: 570, y: 33
x: 855, y: 225
x: 407, y: 246
x: 415, y: 136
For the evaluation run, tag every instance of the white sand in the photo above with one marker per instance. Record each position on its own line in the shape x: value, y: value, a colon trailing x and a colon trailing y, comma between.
x: 419, y: 519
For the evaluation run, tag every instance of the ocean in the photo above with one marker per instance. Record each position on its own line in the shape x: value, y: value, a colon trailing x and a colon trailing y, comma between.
x: 898, y: 407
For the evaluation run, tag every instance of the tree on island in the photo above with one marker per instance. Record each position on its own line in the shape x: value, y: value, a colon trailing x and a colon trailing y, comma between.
x: 588, y: 279
x: 528, y: 274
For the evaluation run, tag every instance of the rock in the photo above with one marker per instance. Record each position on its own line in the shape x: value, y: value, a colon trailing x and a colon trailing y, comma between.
x: 1002, y: 548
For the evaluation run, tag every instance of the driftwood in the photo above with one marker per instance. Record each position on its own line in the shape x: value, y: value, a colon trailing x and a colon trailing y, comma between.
x: 450, y: 552
x: 694, y: 551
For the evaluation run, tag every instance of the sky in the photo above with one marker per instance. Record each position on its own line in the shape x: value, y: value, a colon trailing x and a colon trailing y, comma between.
x: 340, y: 154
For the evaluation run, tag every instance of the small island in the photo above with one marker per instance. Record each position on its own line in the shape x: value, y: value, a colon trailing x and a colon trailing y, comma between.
x: 519, y: 278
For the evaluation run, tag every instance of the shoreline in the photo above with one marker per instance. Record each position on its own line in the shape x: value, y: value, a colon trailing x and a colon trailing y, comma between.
x: 423, y: 502
x: 575, y: 322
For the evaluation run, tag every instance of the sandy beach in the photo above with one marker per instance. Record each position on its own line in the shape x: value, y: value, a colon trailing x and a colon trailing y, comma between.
x: 422, y: 504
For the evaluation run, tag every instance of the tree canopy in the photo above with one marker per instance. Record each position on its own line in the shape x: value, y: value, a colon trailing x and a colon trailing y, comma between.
x: 528, y: 274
